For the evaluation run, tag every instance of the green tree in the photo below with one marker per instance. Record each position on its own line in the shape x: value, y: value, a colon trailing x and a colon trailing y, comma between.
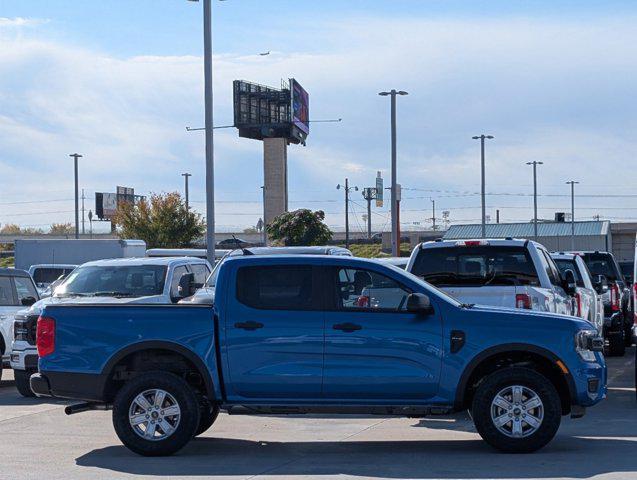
x: 300, y: 227
x: 162, y: 222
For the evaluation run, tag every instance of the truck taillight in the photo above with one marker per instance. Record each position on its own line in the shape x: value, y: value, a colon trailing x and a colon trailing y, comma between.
x: 522, y: 300
x: 472, y: 243
x: 45, y: 336
x: 614, y: 297
x: 578, y: 305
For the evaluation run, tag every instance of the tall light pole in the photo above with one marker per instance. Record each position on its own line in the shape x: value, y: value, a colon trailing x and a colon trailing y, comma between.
x: 572, y: 183
x: 186, y: 176
x: 394, y: 201
x: 75, y: 157
x: 210, y: 157
x: 433, y: 214
x: 369, y: 194
x: 484, y: 202
x: 347, y: 189
x: 535, y: 164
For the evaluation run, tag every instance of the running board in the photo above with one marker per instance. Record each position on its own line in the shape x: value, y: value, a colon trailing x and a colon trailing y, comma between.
x: 86, y: 407
x: 397, y: 410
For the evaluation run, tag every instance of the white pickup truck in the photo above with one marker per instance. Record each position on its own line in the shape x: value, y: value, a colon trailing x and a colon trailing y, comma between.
x: 508, y: 273
x: 122, y: 280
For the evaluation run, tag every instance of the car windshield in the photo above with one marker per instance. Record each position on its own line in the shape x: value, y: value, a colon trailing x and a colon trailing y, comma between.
x: 114, y: 281
x: 601, y: 264
x: 475, y: 266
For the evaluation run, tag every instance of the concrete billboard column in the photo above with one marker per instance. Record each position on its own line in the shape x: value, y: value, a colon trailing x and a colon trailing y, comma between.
x: 275, y: 173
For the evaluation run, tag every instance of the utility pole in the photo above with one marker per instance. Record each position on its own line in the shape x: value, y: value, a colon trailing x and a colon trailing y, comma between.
x: 90, y: 222
x: 77, y: 194
x: 347, y: 189
x: 186, y: 176
x: 395, y: 235
x: 265, y: 233
x: 535, y: 164
x: 572, y: 183
x: 433, y: 214
x: 497, y: 216
x: 483, y: 194
x: 83, y: 197
x: 369, y: 194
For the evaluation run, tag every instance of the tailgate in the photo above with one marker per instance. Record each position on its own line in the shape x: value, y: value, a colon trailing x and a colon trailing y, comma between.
x: 496, y: 296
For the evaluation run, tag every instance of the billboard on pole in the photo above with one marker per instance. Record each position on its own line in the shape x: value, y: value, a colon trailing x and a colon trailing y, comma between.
x: 105, y: 205
x: 300, y: 107
x: 379, y: 190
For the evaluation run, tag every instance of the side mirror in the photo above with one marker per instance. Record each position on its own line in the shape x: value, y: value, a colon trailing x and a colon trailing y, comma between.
x: 570, y: 283
x: 28, y: 301
x: 600, y: 284
x: 419, y: 303
x: 186, y: 284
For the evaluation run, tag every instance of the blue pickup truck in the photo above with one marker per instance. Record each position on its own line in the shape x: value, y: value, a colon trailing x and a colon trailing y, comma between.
x: 299, y: 334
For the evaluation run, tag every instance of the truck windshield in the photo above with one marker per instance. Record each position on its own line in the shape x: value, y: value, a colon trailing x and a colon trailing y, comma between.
x: 476, y: 266
x: 114, y: 281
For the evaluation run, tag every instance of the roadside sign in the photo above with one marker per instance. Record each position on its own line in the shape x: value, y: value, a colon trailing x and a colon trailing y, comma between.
x: 379, y: 190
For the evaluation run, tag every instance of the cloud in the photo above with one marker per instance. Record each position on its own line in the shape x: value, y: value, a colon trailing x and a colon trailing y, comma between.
x: 559, y: 91
x: 21, y: 22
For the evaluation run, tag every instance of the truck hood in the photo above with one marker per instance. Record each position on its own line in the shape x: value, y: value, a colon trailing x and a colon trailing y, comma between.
x: 520, y: 313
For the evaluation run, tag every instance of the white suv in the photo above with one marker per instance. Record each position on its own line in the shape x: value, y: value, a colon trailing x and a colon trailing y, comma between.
x: 508, y: 273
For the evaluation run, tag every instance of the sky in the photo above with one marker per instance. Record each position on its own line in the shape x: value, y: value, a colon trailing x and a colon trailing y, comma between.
x: 119, y: 81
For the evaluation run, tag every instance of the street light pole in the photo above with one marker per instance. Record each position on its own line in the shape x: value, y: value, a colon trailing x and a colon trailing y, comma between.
x: 77, y: 195
x: 483, y: 193
x: 186, y: 175
x: 572, y: 183
x: 394, y: 201
x: 433, y: 214
x: 369, y: 194
x: 535, y: 164
x: 347, y: 189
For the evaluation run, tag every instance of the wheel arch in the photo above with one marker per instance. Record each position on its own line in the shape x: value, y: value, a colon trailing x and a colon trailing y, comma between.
x: 154, y: 345
x: 563, y: 382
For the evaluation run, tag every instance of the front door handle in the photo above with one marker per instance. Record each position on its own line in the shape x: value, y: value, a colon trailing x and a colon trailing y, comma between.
x: 248, y: 325
x: 347, y: 327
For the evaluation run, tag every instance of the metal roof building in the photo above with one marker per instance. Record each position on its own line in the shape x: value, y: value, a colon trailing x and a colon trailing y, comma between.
x: 556, y: 236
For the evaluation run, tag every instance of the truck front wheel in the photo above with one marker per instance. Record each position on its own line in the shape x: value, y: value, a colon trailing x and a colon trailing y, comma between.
x: 208, y: 415
x: 156, y: 414
x: 516, y: 410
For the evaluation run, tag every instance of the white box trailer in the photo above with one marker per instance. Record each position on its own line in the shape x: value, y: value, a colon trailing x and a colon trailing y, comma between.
x: 34, y: 252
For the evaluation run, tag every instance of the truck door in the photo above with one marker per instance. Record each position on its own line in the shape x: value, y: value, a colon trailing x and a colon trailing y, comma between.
x: 376, y: 351
x: 274, y: 328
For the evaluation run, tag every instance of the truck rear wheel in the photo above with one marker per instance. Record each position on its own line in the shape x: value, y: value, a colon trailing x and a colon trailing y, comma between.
x: 516, y: 410
x: 22, y: 378
x: 156, y: 414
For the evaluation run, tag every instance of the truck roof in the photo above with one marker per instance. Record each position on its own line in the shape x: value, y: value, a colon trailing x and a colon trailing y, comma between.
x: 307, y: 250
x: 306, y: 259
x: 136, y: 261
x: 507, y: 242
x: 13, y: 272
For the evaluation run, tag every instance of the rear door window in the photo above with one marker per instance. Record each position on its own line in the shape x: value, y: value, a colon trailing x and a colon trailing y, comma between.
x: 476, y: 266
x: 281, y: 287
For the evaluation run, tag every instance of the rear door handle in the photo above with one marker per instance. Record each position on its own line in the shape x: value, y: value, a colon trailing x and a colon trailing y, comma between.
x: 248, y: 325
x: 347, y: 327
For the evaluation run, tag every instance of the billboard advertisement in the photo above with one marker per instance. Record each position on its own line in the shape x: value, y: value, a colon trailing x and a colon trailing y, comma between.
x: 105, y: 205
x: 300, y: 107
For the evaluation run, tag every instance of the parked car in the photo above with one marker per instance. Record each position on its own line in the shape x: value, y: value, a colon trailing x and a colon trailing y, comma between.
x: 45, y: 274
x: 233, y: 243
x: 186, y: 252
x: 134, y: 280
x: 617, y: 311
x: 205, y: 295
x: 507, y: 273
x: 285, y: 337
x: 17, y: 291
x: 587, y: 300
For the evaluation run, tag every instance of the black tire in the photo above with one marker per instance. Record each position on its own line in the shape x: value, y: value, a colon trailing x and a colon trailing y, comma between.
x: 185, y: 398
x: 628, y: 336
x: 529, y: 379
x: 208, y: 415
x: 22, y: 378
x: 616, y: 344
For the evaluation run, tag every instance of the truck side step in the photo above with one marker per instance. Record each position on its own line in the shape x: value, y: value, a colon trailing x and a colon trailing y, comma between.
x: 398, y: 410
x: 86, y: 407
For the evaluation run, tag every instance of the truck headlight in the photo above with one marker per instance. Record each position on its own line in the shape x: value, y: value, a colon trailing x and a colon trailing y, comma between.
x: 587, y: 342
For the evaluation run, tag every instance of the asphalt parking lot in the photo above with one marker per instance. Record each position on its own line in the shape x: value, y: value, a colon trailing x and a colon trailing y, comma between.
x: 38, y: 441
